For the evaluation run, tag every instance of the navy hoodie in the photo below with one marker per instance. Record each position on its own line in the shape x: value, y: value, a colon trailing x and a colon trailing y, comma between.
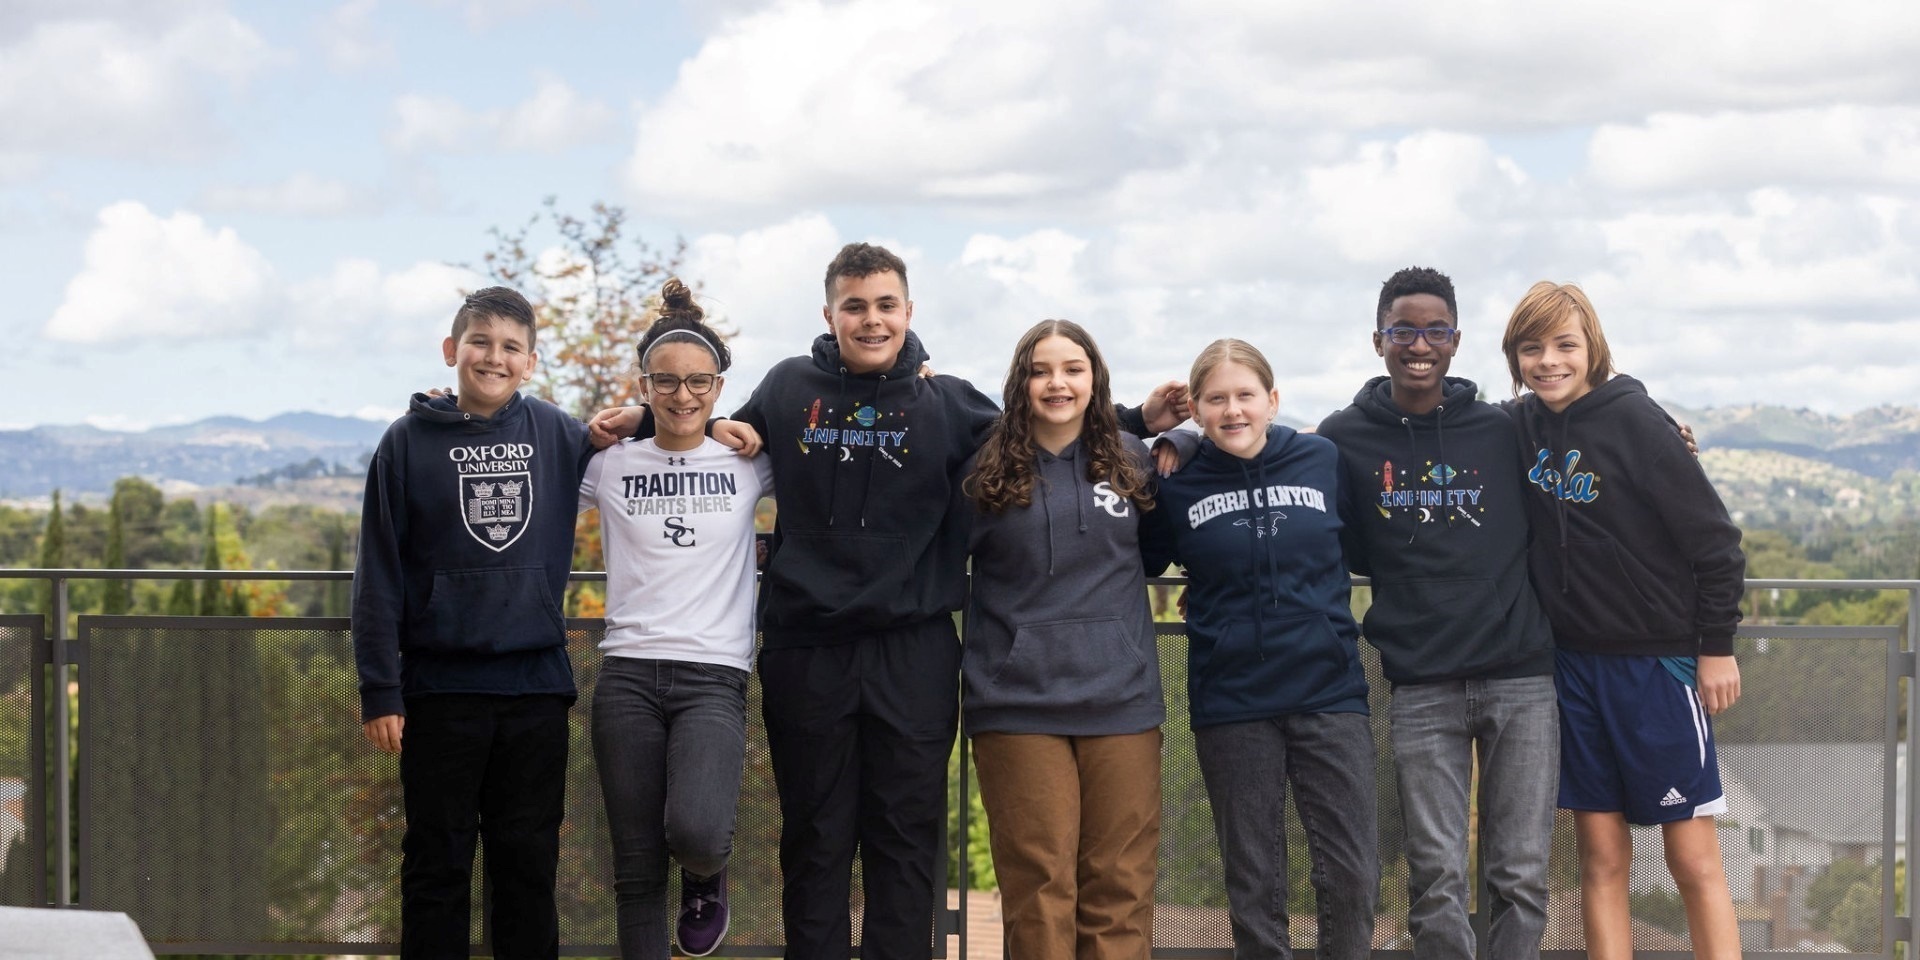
x: 1060, y: 638
x: 466, y: 539
x: 871, y: 533
x: 1269, y: 627
x: 1434, y: 512
x: 1633, y: 552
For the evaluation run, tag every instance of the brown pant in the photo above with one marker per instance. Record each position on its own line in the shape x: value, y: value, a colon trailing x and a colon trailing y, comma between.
x: 1075, y: 826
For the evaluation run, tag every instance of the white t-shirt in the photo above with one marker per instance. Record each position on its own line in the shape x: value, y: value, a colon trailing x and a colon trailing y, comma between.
x: 677, y: 528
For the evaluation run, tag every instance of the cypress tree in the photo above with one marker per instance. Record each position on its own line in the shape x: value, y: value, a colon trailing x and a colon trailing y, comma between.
x: 53, y: 552
x: 117, y: 597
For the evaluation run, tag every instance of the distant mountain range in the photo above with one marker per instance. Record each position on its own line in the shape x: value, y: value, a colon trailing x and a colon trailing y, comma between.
x: 1876, y: 442
x: 1759, y: 452
x: 218, y: 451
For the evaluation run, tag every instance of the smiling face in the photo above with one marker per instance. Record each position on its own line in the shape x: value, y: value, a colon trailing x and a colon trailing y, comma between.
x: 1556, y: 367
x: 1418, y: 369
x: 1234, y: 408
x: 1059, y: 387
x: 491, y: 359
x: 869, y: 316
x: 680, y: 417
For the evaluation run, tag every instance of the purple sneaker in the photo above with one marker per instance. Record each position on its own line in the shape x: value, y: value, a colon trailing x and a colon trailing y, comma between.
x: 703, y: 913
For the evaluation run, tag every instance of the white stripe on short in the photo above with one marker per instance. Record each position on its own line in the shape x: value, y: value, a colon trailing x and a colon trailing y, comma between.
x: 1699, y: 715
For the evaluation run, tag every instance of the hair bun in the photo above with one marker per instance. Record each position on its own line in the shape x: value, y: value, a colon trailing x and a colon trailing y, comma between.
x: 677, y: 301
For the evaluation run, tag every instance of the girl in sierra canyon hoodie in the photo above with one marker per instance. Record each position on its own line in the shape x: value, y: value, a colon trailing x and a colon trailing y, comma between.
x: 1640, y: 571
x: 1062, y: 682
x: 1274, y: 679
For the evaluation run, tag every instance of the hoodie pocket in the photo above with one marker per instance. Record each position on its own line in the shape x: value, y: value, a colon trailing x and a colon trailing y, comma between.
x: 1298, y: 664
x: 1436, y: 628
x: 492, y: 610
x: 1612, y: 593
x: 1070, y: 663
x: 825, y: 577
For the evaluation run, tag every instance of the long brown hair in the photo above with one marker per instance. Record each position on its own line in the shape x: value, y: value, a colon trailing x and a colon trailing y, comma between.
x: 1003, y: 476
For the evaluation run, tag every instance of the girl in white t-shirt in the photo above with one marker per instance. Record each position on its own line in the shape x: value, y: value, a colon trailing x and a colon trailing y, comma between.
x: 669, y: 712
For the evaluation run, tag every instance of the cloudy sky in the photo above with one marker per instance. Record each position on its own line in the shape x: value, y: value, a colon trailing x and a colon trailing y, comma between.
x: 213, y: 208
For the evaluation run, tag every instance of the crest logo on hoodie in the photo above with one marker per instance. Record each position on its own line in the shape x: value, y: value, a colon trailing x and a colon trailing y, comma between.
x: 1114, y: 504
x: 496, y: 506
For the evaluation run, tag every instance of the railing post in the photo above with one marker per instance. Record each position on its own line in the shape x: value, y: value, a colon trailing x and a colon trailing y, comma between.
x: 62, y: 747
x: 1911, y: 904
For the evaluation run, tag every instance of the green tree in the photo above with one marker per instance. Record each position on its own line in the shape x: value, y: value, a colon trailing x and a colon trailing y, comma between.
x: 117, y: 595
x: 1825, y: 892
x: 210, y: 599
x: 53, y: 553
x: 1856, y: 919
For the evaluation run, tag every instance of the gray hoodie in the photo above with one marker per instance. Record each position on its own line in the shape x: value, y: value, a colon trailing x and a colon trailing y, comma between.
x: 1060, y: 639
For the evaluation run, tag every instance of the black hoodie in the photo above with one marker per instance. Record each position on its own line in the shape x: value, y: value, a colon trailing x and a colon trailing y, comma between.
x: 1434, y: 512
x: 1633, y: 552
x: 872, y: 529
x: 466, y: 538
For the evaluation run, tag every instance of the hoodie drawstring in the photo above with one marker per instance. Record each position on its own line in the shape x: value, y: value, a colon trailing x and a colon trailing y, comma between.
x: 833, y: 486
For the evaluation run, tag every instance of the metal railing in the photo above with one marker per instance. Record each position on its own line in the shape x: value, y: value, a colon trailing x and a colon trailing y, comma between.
x: 216, y: 788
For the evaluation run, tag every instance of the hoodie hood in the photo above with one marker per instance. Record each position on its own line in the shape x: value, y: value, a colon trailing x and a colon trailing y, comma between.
x: 1376, y: 401
x: 1269, y: 626
x: 1436, y: 515
x: 826, y: 356
x: 446, y: 409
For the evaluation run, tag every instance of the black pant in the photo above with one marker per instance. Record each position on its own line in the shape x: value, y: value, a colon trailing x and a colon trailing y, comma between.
x: 860, y: 733
x: 493, y: 767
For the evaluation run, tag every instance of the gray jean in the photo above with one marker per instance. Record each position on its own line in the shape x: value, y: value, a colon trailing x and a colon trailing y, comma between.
x: 669, y: 738
x: 1515, y: 726
x: 1328, y: 757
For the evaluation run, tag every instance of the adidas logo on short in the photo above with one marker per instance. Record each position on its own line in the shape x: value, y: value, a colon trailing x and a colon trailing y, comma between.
x: 1672, y: 799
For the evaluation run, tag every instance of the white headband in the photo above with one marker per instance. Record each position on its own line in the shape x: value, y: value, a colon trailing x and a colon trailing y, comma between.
x: 684, y: 335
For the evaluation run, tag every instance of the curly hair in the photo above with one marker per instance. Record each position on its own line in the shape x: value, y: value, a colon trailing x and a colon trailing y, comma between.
x: 677, y: 311
x: 1414, y: 280
x: 860, y: 260
x: 1003, y: 475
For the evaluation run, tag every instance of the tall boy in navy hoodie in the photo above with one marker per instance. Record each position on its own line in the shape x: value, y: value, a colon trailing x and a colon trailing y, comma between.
x: 466, y: 538
x: 1433, y: 511
x: 859, y: 664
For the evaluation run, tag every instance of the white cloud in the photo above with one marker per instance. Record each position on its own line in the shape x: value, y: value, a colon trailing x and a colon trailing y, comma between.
x: 349, y: 38
x: 982, y: 106
x: 1871, y: 146
x: 120, y: 87
x: 300, y: 195
x: 359, y: 305
x: 554, y: 119
x: 178, y: 279
x: 152, y: 278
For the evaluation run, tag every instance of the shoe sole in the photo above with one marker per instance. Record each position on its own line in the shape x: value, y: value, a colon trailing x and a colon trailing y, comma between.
x: 717, y: 941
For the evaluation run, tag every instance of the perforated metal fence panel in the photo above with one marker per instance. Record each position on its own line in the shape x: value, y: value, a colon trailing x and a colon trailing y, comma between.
x: 23, y: 809
x: 230, y: 804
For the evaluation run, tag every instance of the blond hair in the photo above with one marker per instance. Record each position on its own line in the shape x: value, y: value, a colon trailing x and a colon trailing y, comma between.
x: 1228, y: 350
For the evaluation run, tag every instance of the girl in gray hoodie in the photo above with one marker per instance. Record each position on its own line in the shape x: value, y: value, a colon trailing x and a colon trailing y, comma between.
x: 1062, y: 679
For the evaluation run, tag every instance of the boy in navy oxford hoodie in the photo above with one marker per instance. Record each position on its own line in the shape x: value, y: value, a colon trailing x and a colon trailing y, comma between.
x: 466, y: 538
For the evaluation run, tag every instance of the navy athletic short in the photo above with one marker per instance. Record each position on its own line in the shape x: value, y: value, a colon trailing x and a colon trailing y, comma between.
x: 1634, y: 739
